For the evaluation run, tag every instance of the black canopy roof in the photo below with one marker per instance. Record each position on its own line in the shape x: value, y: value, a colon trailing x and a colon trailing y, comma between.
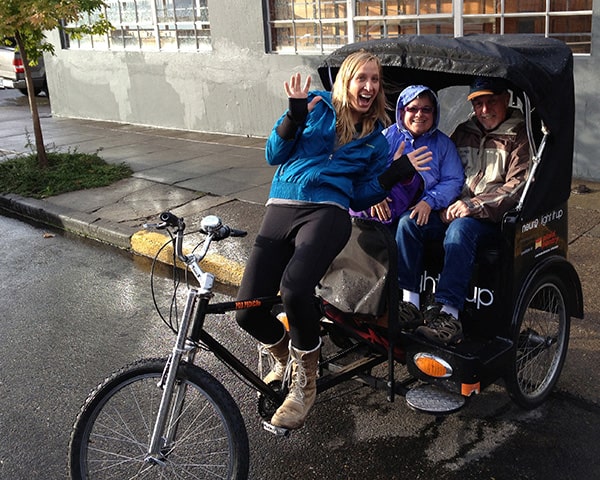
x: 540, y: 67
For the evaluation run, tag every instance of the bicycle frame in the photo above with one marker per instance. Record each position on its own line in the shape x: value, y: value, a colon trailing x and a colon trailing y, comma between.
x: 190, y: 336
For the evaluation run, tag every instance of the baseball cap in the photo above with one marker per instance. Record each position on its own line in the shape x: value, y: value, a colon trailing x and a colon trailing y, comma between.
x: 486, y: 86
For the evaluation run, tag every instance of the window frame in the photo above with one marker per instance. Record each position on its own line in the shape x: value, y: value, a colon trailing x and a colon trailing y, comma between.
x: 351, y: 21
x: 149, y: 27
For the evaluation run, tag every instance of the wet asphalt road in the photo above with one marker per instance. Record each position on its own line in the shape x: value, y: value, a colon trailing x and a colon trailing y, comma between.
x: 74, y: 311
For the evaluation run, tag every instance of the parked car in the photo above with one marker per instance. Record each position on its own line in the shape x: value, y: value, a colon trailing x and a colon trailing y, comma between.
x: 12, y: 71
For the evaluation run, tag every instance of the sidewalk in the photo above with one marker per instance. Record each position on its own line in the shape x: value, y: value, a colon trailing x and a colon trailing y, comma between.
x: 189, y: 173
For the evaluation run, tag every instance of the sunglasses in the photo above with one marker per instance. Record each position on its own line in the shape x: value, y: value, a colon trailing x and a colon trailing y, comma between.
x: 425, y: 110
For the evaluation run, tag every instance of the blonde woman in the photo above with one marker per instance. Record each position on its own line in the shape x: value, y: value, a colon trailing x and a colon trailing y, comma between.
x: 331, y: 156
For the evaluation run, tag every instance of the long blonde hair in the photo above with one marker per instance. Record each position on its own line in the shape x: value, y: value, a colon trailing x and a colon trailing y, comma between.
x: 345, y: 125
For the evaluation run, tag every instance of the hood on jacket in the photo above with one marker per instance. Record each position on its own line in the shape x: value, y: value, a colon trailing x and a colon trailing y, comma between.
x: 408, y: 95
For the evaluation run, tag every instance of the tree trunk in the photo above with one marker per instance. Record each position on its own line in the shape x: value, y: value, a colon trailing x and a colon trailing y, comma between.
x: 35, y: 116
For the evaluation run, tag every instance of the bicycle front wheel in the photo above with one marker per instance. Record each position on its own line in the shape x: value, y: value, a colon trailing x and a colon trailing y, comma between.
x: 112, y: 432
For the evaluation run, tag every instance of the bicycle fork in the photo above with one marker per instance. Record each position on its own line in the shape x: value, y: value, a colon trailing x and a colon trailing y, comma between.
x: 163, y: 432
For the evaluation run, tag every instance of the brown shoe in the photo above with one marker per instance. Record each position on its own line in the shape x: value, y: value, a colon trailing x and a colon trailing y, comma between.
x: 441, y: 327
x: 303, y: 389
x: 409, y: 316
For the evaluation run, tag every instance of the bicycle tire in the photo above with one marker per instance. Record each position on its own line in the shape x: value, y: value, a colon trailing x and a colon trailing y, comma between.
x: 541, y: 336
x: 112, y: 432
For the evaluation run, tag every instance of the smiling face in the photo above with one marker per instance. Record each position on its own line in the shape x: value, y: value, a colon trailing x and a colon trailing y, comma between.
x: 363, y: 88
x: 418, y: 115
x: 491, y: 110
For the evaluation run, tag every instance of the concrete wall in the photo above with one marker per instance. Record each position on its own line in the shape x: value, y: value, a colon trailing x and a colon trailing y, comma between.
x: 237, y: 88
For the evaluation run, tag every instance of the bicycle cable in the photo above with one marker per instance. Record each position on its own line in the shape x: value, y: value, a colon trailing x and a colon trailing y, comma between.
x: 176, y: 282
x: 173, y: 320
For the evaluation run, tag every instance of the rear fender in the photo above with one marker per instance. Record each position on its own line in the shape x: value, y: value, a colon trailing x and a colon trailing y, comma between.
x: 561, y: 267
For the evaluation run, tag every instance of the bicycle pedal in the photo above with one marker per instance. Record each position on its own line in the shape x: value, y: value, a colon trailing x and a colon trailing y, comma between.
x: 279, y: 431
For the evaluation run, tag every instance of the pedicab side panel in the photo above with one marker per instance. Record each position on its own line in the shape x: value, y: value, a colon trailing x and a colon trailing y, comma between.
x: 362, y: 283
x: 541, y: 246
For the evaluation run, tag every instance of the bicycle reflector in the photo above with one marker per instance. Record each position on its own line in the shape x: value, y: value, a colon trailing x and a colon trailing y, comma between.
x: 433, y: 366
x: 282, y: 317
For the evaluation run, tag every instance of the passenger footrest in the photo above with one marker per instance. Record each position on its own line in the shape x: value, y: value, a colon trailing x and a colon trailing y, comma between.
x: 434, y: 400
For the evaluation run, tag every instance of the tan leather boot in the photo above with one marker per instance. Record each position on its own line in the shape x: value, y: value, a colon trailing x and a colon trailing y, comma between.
x: 303, y: 389
x: 280, y: 353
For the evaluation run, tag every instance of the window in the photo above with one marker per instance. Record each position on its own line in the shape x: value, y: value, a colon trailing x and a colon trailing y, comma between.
x: 381, y: 19
x: 320, y: 26
x: 566, y: 20
x: 310, y: 26
x: 168, y: 25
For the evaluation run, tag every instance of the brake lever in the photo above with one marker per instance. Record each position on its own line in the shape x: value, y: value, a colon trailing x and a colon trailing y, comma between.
x: 157, y: 226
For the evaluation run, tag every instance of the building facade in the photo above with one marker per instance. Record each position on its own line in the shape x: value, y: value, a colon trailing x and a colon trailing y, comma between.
x: 219, y: 65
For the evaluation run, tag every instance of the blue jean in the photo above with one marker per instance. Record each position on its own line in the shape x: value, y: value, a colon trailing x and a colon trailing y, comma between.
x: 460, y: 240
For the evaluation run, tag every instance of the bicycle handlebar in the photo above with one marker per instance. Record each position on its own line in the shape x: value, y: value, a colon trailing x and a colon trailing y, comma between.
x: 211, y: 226
x: 171, y: 220
x: 167, y: 219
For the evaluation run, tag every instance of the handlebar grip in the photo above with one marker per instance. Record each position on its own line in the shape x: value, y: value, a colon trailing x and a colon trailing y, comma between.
x: 237, y: 233
x: 170, y: 219
x: 226, y: 231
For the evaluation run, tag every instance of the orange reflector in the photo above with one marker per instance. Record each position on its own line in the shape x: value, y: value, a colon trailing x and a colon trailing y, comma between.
x: 432, y: 365
x: 468, y: 389
x: 282, y: 317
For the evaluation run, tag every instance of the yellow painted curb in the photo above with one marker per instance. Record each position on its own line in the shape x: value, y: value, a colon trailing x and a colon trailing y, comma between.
x: 149, y: 243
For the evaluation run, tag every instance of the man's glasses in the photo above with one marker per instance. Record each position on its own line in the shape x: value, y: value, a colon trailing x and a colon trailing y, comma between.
x: 425, y: 110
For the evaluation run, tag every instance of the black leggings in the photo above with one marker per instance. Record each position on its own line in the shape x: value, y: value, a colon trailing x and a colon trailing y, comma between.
x: 292, y: 251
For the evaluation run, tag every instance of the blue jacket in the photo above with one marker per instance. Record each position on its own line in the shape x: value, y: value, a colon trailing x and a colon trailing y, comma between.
x: 313, y: 169
x: 442, y: 184
x: 444, y: 181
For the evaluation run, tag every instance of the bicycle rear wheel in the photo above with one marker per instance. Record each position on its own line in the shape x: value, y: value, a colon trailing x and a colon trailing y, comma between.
x: 541, y: 337
x: 112, y: 432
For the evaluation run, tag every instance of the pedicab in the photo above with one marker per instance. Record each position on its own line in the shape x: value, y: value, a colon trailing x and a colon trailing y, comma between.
x: 152, y: 415
x: 524, y: 290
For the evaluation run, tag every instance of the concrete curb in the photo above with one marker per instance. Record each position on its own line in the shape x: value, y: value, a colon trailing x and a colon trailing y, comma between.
x: 66, y: 219
x: 142, y: 242
x: 150, y: 244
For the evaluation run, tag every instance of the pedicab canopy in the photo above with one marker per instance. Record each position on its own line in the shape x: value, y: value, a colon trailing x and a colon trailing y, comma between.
x: 540, y: 67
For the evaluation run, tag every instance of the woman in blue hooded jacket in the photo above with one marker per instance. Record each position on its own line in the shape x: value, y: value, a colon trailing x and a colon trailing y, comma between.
x: 331, y: 155
x: 437, y: 185
x: 432, y: 188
